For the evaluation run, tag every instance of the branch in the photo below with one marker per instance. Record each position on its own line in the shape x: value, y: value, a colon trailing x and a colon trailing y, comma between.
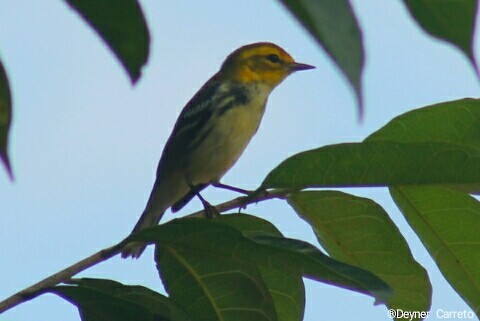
x: 59, y: 277
x: 105, y: 254
x: 243, y: 201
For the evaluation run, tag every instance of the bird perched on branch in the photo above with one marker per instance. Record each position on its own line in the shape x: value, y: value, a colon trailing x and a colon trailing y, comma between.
x: 214, y: 128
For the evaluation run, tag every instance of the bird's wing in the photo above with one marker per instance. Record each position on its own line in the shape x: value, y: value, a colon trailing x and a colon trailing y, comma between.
x: 191, y: 125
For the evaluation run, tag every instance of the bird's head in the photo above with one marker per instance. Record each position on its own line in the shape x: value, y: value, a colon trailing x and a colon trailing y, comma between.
x: 261, y: 62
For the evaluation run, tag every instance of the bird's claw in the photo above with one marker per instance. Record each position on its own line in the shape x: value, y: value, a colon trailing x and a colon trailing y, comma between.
x: 210, y: 211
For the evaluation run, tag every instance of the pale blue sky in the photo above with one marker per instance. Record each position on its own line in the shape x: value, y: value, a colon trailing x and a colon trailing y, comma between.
x: 85, y: 144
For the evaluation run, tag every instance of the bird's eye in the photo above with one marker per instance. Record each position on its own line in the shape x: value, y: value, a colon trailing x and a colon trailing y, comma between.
x: 273, y: 58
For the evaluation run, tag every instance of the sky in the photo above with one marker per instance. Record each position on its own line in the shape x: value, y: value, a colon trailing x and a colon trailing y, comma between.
x: 85, y: 143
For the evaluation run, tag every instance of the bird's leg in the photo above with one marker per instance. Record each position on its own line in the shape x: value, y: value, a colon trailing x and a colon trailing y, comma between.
x: 209, y: 210
x: 231, y: 188
x: 234, y: 189
x: 247, y: 193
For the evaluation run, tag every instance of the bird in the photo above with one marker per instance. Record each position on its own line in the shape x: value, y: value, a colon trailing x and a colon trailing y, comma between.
x: 213, y: 129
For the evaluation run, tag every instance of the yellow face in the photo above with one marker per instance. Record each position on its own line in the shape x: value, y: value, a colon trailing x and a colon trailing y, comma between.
x: 261, y: 62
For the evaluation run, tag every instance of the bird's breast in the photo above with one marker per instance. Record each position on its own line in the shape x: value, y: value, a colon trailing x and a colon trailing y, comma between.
x: 228, y: 139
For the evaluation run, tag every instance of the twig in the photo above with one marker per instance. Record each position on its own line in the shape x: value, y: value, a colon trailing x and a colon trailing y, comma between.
x: 59, y: 277
x: 66, y: 274
x: 243, y: 201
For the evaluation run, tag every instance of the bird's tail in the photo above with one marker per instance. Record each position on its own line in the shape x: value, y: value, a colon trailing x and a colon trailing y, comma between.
x: 150, y: 217
x: 165, y: 192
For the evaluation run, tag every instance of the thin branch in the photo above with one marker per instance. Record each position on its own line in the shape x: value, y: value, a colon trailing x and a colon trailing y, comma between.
x: 59, y: 277
x: 243, y: 201
x: 105, y: 254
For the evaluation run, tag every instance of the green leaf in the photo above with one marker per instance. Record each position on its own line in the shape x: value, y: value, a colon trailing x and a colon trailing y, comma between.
x: 456, y: 122
x: 317, y: 266
x: 287, y: 255
x: 378, y: 164
x: 452, y: 21
x: 444, y: 219
x: 105, y: 300
x: 122, y: 26
x: 213, y: 287
x: 334, y: 26
x: 5, y: 119
x: 358, y: 231
x: 437, y: 144
x: 287, y: 289
x: 447, y: 222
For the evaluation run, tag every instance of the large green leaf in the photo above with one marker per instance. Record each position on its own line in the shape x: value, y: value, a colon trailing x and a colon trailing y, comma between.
x: 286, y: 255
x: 378, y: 164
x: 334, y: 26
x: 358, y: 231
x: 456, y: 122
x: 452, y: 21
x: 427, y: 148
x: 122, y: 26
x: 447, y: 222
x: 213, y: 287
x: 436, y: 144
x: 5, y: 119
x: 286, y: 289
x: 104, y: 300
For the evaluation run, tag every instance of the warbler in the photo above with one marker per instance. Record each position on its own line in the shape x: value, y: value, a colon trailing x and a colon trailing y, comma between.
x: 214, y: 128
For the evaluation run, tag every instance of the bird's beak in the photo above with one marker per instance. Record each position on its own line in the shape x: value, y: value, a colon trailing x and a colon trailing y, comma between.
x: 296, y: 66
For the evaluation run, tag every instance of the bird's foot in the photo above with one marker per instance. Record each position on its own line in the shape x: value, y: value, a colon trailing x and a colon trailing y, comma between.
x: 209, y: 210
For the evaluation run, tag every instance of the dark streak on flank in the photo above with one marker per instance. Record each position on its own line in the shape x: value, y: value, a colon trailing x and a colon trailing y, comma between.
x: 240, y: 97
